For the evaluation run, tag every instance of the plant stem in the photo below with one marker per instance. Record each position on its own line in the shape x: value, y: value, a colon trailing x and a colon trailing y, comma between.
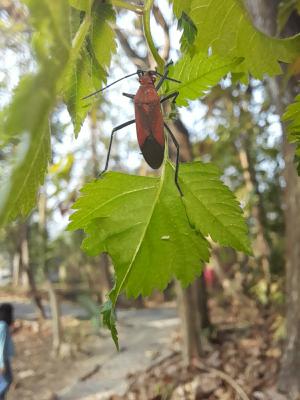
x: 128, y: 6
x: 147, y: 30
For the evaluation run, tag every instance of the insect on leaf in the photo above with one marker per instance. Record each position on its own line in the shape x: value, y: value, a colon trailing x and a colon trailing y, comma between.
x: 153, y: 234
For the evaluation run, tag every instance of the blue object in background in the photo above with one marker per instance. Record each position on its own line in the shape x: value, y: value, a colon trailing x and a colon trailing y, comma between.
x: 6, y: 352
x: 4, y: 385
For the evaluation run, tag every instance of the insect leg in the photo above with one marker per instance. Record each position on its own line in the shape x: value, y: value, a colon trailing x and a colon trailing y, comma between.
x: 116, y: 129
x: 164, y: 77
x: 131, y: 96
x: 177, y: 157
x: 170, y: 96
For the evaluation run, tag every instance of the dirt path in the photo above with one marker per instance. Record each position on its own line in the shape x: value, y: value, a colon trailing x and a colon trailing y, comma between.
x: 97, y: 370
x: 244, y: 349
x: 147, y: 335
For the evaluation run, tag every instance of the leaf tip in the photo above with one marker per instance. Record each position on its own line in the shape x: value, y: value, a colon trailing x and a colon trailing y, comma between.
x: 109, y: 320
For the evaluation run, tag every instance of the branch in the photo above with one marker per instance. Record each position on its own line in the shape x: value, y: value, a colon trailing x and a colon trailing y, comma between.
x: 147, y: 30
x: 139, y: 61
x: 127, y: 6
x: 225, y: 377
x: 162, y: 22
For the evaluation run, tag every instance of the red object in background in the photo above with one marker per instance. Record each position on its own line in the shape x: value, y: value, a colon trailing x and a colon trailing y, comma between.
x: 209, y: 277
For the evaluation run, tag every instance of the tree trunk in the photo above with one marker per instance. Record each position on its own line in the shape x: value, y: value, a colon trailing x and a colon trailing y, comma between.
x: 16, y: 268
x: 57, y: 334
x: 290, y: 367
x: 26, y: 268
x: 262, y: 248
x: 192, y: 301
x: 289, y: 381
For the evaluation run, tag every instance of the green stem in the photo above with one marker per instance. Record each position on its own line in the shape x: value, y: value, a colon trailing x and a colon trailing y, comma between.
x: 147, y: 30
x: 80, y: 36
x: 77, y: 44
x: 128, y: 6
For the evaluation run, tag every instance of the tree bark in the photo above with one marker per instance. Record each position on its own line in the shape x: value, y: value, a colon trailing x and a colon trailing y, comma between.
x: 16, y: 268
x: 262, y: 248
x: 27, y: 270
x: 57, y: 332
x: 192, y: 301
x: 289, y: 380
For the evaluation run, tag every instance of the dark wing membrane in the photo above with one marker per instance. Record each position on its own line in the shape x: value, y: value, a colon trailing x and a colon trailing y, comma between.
x: 150, y: 133
x: 153, y: 152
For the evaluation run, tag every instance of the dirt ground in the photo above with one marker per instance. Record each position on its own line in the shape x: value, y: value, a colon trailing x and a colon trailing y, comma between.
x: 38, y: 374
x: 241, y: 361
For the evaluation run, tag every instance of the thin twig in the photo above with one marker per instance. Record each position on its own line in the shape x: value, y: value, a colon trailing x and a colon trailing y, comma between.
x: 139, y: 61
x: 225, y: 377
x: 128, y: 6
x: 160, y: 19
x: 89, y: 374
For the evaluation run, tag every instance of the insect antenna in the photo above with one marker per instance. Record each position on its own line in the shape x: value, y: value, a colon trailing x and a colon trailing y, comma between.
x: 111, y: 84
x: 166, y: 77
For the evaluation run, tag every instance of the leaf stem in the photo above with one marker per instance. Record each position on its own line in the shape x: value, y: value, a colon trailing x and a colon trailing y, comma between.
x: 127, y: 6
x: 147, y: 31
x: 80, y: 36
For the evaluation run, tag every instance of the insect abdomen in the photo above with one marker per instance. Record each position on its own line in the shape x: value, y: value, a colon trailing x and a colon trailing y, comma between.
x: 150, y: 128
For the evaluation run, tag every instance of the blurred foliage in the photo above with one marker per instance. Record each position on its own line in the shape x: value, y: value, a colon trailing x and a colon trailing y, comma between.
x: 285, y: 9
x: 69, y: 61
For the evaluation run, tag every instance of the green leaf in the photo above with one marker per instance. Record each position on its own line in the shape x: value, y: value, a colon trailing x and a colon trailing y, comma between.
x: 109, y: 320
x: 197, y: 75
x: 181, y: 6
x: 27, y: 117
x: 189, y: 33
x: 181, y: 9
x: 141, y: 222
x: 85, y: 78
x: 87, y: 72
x: 292, y: 116
x: 212, y: 207
x: 103, y: 39
x: 152, y: 233
x: 82, y: 5
x: 225, y: 27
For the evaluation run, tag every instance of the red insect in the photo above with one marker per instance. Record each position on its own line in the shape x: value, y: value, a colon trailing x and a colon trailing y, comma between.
x: 148, y: 119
